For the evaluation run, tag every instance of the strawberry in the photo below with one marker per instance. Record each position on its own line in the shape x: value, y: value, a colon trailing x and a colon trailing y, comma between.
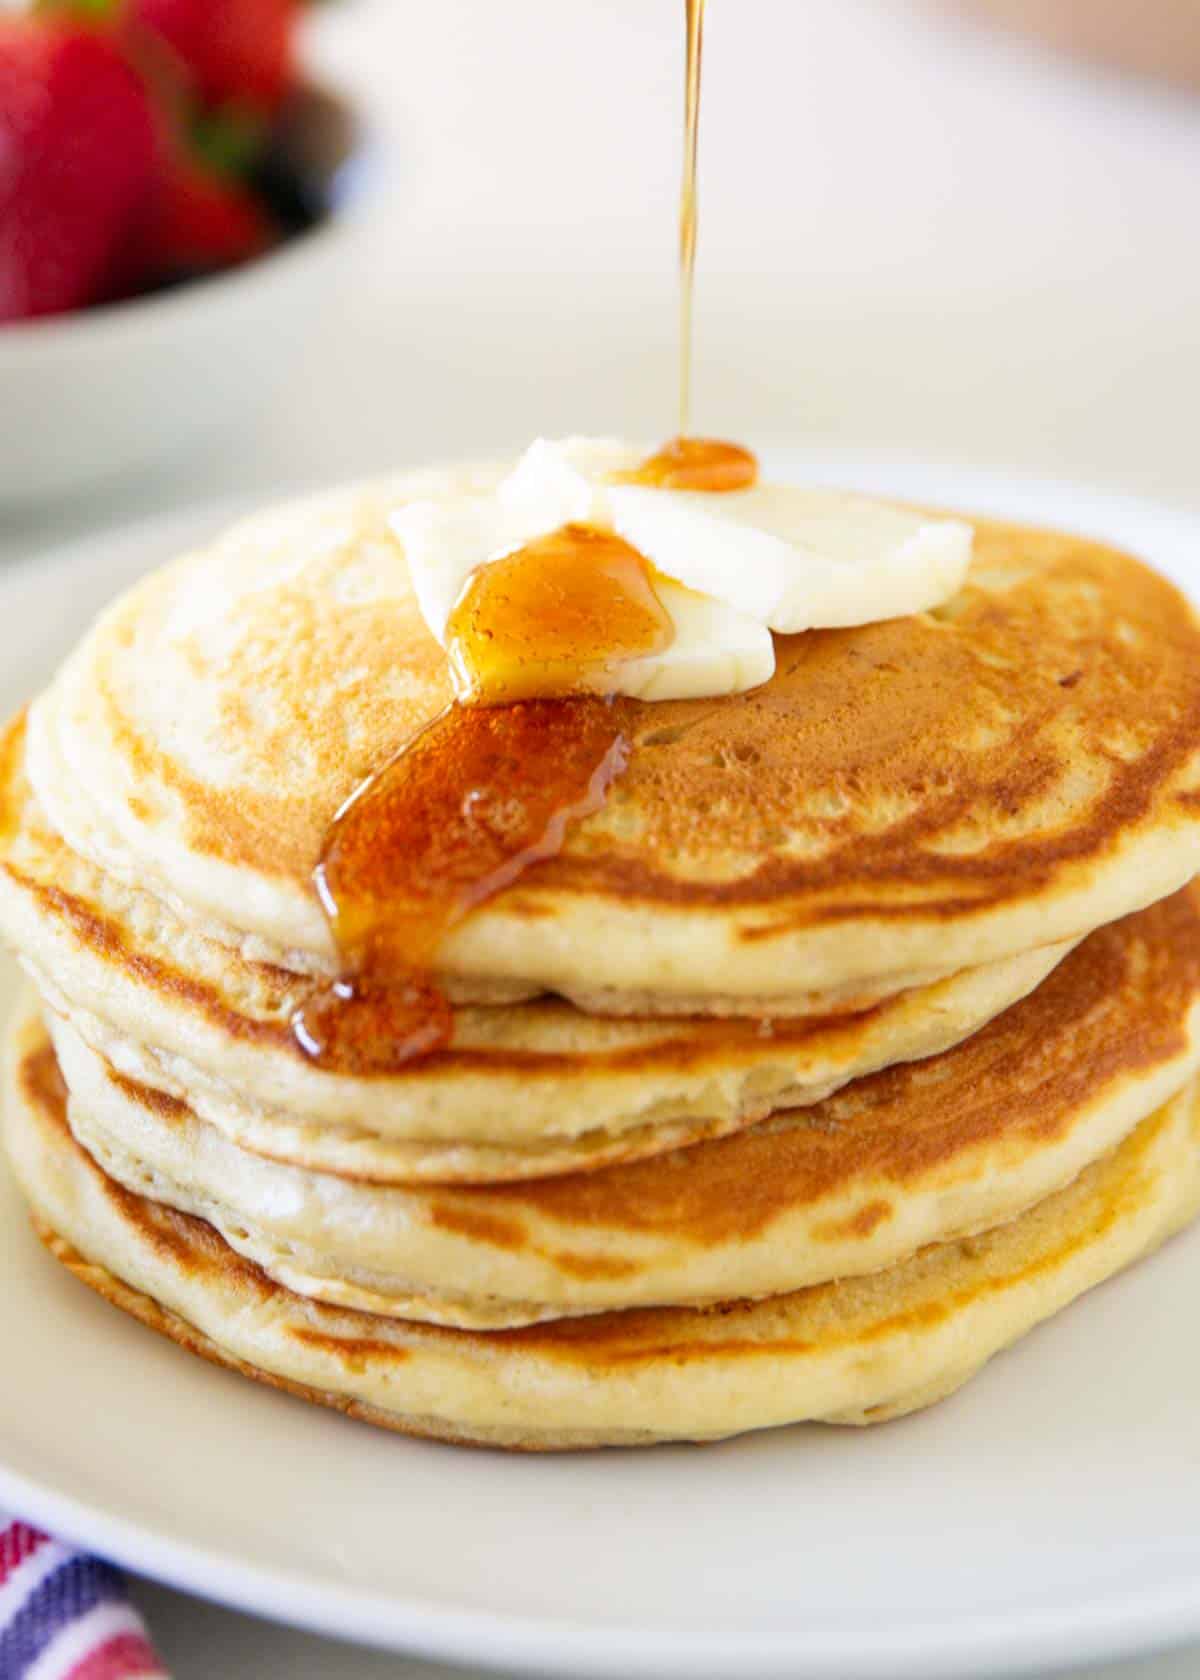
x: 237, y: 51
x: 78, y: 166
x: 206, y: 220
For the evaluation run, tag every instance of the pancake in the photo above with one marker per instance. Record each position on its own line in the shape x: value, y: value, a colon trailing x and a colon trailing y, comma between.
x: 911, y: 1156
x: 901, y: 800
x: 855, y: 1351
x: 522, y: 1091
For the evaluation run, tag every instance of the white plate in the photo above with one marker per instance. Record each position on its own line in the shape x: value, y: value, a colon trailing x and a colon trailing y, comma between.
x: 1050, y: 1513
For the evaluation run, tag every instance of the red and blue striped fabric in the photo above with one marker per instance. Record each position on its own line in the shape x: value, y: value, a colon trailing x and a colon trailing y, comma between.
x: 65, y: 1615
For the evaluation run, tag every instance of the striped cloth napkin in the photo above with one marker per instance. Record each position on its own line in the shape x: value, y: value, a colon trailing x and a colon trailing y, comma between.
x: 65, y: 1615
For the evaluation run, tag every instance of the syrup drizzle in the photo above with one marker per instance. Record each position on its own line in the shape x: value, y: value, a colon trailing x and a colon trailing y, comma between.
x: 491, y: 788
x: 460, y: 813
x: 694, y: 13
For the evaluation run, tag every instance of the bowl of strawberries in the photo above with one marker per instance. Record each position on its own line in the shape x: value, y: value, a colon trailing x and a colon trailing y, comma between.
x: 171, y: 192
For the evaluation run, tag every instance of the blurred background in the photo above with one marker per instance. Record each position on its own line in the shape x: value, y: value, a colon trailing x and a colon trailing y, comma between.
x: 955, y: 231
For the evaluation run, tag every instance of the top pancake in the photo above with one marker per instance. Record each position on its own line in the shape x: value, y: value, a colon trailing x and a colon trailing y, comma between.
x: 901, y: 799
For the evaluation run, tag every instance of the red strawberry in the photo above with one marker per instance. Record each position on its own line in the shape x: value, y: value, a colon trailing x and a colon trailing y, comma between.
x: 237, y: 51
x: 78, y: 161
x: 207, y: 220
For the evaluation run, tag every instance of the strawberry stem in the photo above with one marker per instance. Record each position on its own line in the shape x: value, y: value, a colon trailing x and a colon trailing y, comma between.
x: 229, y: 139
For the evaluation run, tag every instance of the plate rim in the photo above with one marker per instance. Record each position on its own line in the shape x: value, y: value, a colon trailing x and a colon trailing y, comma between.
x: 1070, y: 1633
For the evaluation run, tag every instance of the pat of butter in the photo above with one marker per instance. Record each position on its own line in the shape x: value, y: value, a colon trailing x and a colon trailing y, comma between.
x: 731, y: 567
x: 446, y: 537
x: 797, y: 559
x: 715, y: 650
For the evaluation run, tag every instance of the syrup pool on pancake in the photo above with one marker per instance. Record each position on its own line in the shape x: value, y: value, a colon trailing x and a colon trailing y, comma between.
x: 687, y: 463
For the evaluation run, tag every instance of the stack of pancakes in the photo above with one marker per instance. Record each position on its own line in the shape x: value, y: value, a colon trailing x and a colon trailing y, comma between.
x: 853, y: 1036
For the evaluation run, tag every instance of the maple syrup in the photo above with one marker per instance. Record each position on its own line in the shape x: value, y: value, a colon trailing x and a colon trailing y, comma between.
x: 553, y: 617
x: 694, y: 12
x: 687, y: 463
x: 460, y: 813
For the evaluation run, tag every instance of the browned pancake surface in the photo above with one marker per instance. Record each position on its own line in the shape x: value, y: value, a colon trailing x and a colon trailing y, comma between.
x: 1118, y: 1005
x: 926, y: 766
x: 858, y: 1312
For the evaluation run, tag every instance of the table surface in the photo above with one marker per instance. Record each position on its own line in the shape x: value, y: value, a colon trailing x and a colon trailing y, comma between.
x: 915, y: 239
